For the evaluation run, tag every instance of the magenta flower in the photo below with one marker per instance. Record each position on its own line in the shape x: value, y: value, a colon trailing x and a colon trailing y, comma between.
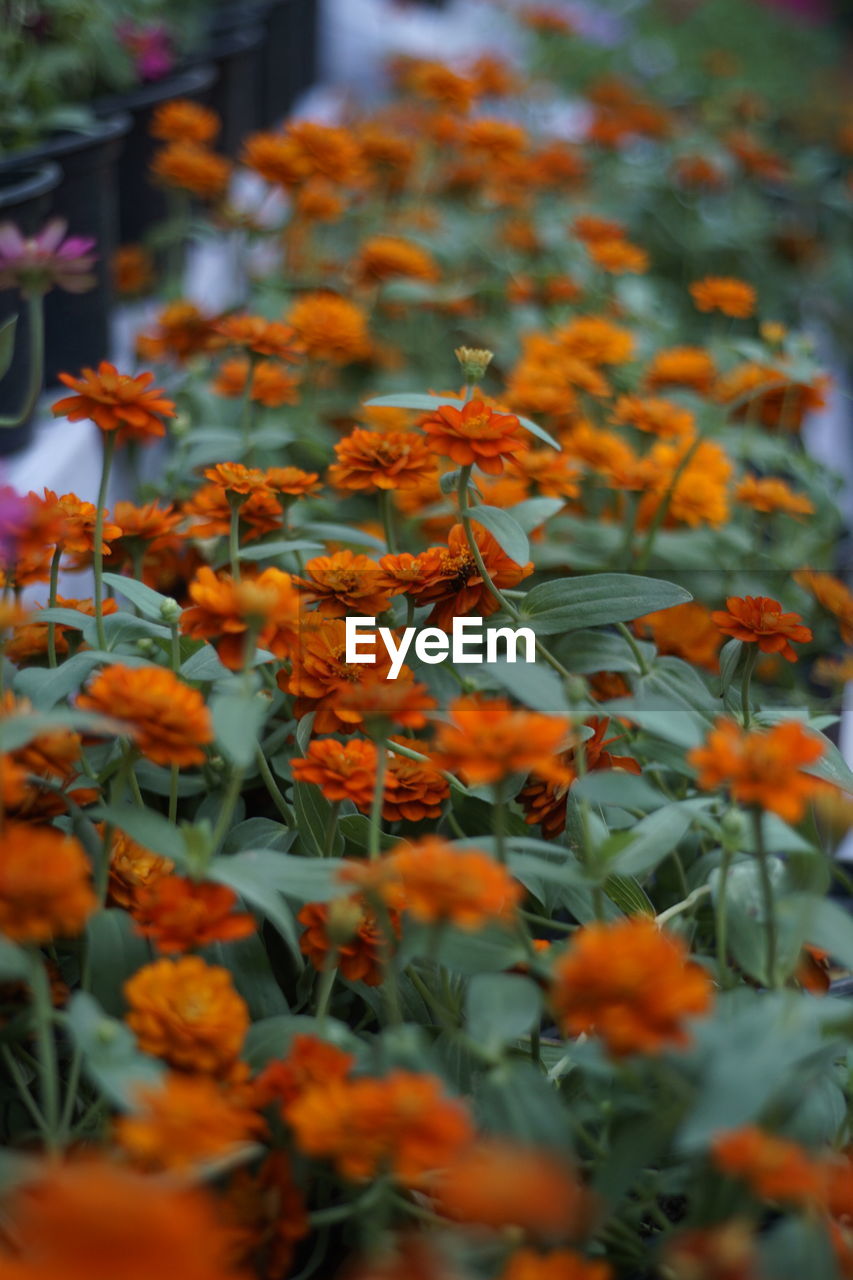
x: 150, y: 47
x: 13, y: 522
x: 36, y: 264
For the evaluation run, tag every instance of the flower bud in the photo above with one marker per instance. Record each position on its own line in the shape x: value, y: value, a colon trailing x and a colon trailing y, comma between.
x: 474, y: 361
x: 345, y: 917
x: 170, y: 611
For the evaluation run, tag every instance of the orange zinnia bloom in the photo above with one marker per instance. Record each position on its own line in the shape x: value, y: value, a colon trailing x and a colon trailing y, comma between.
x: 331, y: 328
x: 235, y: 478
x: 266, y: 606
x: 831, y: 594
x: 261, y: 336
x: 390, y: 257
x: 92, y: 1220
x: 309, y: 1062
x: 116, y: 402
x: 487, y: 739
x: 441, y: 884
x: 346, y: 933
x: 416, y: 790
x: 686, y: 631
x: 770, y: 394
x: 760, y: 620
x: 618, y: 256
x: 133, y: 870
x: 629, y: 983
x: 690, y: 367
x: 763, y: 768
x: 183, y: 120
x: 658, y: 417
x: 320, y: 672
x: 724, y: 1252
x: 168, y: 721
x: 264, y: 1211
x: 381, y: 460
x: 344, y: 582
x: 210, y: 512
x: 562, y: 1264
x: 403, y: 1123
x: 188, y: 1120
x: 293, y: 481
x: 770, y: 493
x: 45, y: 884
x: 193, y: 168
x: 733, y: 297
x: 474, y: 434
x: 774, y: 1168
x: 182, y: 332
x: 596, y: 340
x: 132, y: 270
x: 545, y: 801
x: 382, y: 704
x: 188, y: 1013
x: 179, y: 914
x: 497, y: 1183
x: 342, y: 770
x: 448, y: 577
x: 78, y: 532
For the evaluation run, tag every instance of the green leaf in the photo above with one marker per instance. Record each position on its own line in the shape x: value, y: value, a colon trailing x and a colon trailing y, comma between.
x: 533, y: 512
x: 531, y: 683
x: 45, y: 687
x: 116, y: 952
x: 271, y: 1037
x: 7, y: 344
x: 823, y: 923
x: 248, y: 874
x: 570, y: 604
x: 313, y: 815
x: 14, y: 961
x: 628, y: 895
x: 729, y: 658
x: 204, y: 665
x: 653, y: 839
x: 146, y: 827
x: 237, y: 718
x: 501, y: 1008
x: 281, y: 547
x: 516, y: 1101
x: 248, y: 962
x: 489, y: 950
x: 149, y: 603
x: 345, y: 533
x: 506, y: 531
x: 110, y: 1056
x: 585, y: 652
x: 304, y: 879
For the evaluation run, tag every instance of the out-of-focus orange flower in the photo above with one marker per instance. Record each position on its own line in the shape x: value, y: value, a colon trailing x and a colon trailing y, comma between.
x: 770, y: 394
x: 629, y: 983
x: 762, y: 768
x: 181, y: 331
x: 693, y: 480
x: 45, y: 884
x: 320, y: 671
x: 183, y: 120
x: 618, y: 257
x: 133, y: 870
x: 486, y: 739
x: 331, y: 328
x: 30, y: 639
x: 474, y: 434
x: 293, y: 481
x: 344, y: 582
x: 656, y: 416
x: 186, y: 1121
x: 448, y: 577
x: 440, y: 884
x: 188, y: 1013
x: 132, y: 270
x: 402, y: 1123
x: 145, y: 528
x: 733, y: 297
x: 687, y: 631
x: 116, y: 402
x: 770, y: 493
x: 235, y: 478
x: 265, y: 1212
x: 416, y: 789
x: 309, y: 1062
x: 436, y: 83
x: 391, y: 257
x: 698, y: 172
x: 562, y: 1264
x: 193, y: 168
x: 168, y: 721
x: 773, y: 1168
x: 494, y: 1182
x: 260, y: 336
x: 545, y: 800
x: 179, y: 914
x: 318, y: 201
x: 325, y: 151
x: 814, y: 971
x: 78, y: 528
x: 690, y: 367
x: 723, y: 1252
x: 54, y: 756
x: 346, y: 933
x: 227, y: 612
x: 757, y: 159
x: 596, y: 340
x: 92, y: 1220
x: 342, y: 770
x: 382, y: 704
x: 276, y: 158
x: 760, y: 620
x: 381, y: 460
x: 832, y: 595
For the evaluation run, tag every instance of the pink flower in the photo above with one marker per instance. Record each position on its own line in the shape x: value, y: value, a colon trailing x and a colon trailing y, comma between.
x: 36, y: 264
x: 150, y: 47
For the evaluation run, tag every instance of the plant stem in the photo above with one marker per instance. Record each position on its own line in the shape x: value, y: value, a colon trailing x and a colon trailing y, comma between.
x: 767, y: 898
x: 687, y: 904
x: 14, y: 1069
x: 722, y: 922
x: 634, y: 647
x: 331, y: 828
x: 387, y: 511
x: 51, y: 603
x: 746, y: 680
x: 48, y: 1074
x: 273, y: 788
x: 98, y: 555
x: 663, y: 507
x: 235, y: 501
x: 500, y: 823
x: 374, y: 830
x: 35, y: 315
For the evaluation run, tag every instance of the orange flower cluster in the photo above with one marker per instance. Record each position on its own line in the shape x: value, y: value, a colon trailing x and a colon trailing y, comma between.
x: 168, y: 721
x: 188, y: 1120
x: 188, y: 1013
x: 179, y: 915
x: 760, y: 620
x: 45, y: 883
x: 117, y: 402
x: 761, y: 767
x: 381, y: 460
x: 264, y: 608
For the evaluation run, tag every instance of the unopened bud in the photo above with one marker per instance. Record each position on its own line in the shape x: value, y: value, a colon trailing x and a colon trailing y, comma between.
x: 344, y: 919
x: 733, y: 828
x: 170, y: 611
x: 474, y: 361
x: 575, y: 689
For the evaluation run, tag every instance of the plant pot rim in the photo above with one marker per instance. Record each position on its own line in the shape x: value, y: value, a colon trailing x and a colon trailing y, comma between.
x: 27, y: 181
x: 240, y: 40
x: 188, y: 78
x: 63, y: 144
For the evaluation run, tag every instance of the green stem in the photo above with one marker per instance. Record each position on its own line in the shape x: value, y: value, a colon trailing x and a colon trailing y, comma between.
x: 235, y: 501
x: 98, y: 555
x: 35, y: 315
x: 499, y: 807
x: 51, y: 601
x: 14, y: 1069
x: 746, y: 680
x: 634, y: 647
x: 273, y: 788
x: 722, y: 921
x: 48, y: 1073
x: 767, y: 899
x: 324, y: 993
x: 226, y: 811
x: 687, y: 904
x: 331, y: 828
x: 387, y: 510
x: 374, y: 830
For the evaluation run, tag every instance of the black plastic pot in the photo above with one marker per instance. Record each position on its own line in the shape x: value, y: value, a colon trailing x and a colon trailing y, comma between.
x: 25, y: 198
x: 236, y: 53
x: 290, y: 63
x: 141, y: 203
x: 77, y: 331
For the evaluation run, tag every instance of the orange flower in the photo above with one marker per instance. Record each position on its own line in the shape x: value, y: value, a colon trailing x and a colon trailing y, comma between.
x: 486, y: 740
x: 150, y: 526
x: 275, y: 157
x: 402, y: 1123
x: 235, y: 478
x: 592, y: 230
x: 474, y: 434
x: 116, y: 402
x: 436, y: 83
x: 381, y: 704
x: 658, y: 417
x: 629, y: 983
x: 773, y: 1168
x: 699, y: 485
x: 325, y: 151
x: 54, y: 755
x: 760, y: 620
x: 264, y: 1209
x: 761, y: 768
x: 133, y: 871
x: 331, y: 328
x: 293, y: 481
x: 462, y: 886
x: 390, y: 257
x: 342, y: 770
x: 687, y: 631
x: 770, y: 394
x: 346, y: 933
x: 770, y: 493
x: 182, y: 331
x: 618, y: 256
x: 381, y: 460
x: 497, y: 1183
x: 416, y: 790
x: 309, y: 1062
x: 448, y: 577
x: 92, y: 1220
x: 187, y: 1012
x: 192, y: 168
x: 318, y: 201
x: 832, y: 595
x: 78, y: 532
x: 733, y: 297
x: 167, y: 720
x: 562, y: 1264
x: 182, y: 120
x: 266, y: 606
x: 188, y: 1120
x: 690, y: 367
x: 344, y: 582
x: 545, y: 800
x: 179, y: 914
x: 698, y: 171
x: 273, y: 386
x: 320, y: 672
x: 723, y: 1252
x: 132, y: 270
x: 596, y: 340
x: 45, y: 884
x: 261, y: 336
